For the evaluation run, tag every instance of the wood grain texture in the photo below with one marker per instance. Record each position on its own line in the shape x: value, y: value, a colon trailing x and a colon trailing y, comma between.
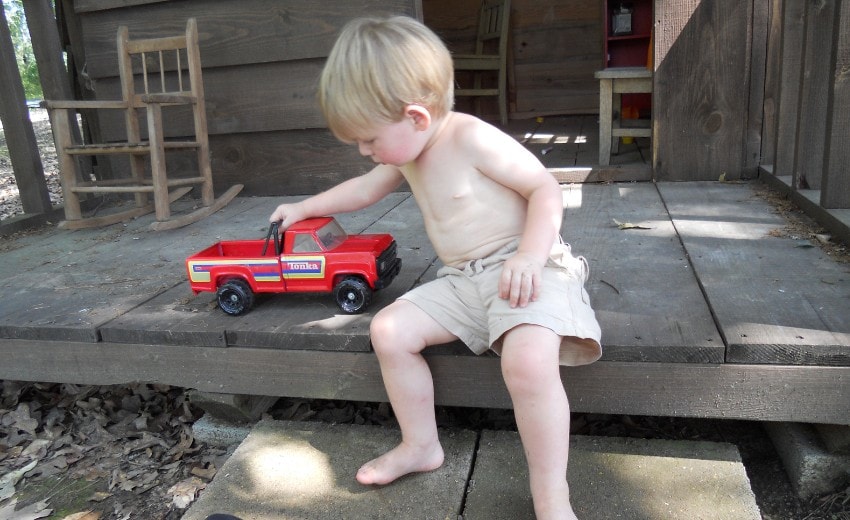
x: 752, y: 392
x: 815, y: 79
x: 645, y: 295
x: 791, y: 306
x: 702, y: 80
x: 257, y: 31
x: 792, y: 39
x: 835, y: 192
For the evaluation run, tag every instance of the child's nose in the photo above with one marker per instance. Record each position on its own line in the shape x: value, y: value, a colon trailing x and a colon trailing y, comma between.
x: 365, y: 150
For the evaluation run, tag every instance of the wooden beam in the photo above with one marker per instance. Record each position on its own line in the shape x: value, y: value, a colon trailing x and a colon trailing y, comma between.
x: 44, y: 35
x: 752, y: 392
x: 835, y: 192
x: 20, y: 138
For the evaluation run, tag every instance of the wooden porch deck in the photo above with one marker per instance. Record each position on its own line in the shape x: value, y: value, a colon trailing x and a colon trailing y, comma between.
x: 703, y: 312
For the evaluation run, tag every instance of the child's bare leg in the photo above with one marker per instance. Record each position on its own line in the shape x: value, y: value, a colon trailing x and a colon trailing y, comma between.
x: 399, y: 334
x: 531, y: 372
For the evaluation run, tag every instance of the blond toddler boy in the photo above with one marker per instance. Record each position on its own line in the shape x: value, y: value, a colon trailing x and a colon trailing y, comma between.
x: 493, y: 214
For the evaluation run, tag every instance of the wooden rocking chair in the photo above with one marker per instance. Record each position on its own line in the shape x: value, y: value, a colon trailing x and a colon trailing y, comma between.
x: 162, y: 87
x: 491, y: 54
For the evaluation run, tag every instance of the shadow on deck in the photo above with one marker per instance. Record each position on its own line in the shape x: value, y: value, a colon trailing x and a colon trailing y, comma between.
x: 704, y: 311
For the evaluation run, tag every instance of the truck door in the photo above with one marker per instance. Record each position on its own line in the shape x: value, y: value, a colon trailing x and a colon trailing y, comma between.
x: 304, y: 268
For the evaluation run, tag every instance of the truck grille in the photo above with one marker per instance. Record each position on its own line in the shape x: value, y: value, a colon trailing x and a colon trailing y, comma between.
x: 385, y: 260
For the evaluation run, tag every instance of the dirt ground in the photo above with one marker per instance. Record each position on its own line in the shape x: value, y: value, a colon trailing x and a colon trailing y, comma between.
x: 127, y: 452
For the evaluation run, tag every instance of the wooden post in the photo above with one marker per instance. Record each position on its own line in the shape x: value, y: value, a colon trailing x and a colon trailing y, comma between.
x: 23, y: 148
x: 55, y: 83
x: 47, y: 49
x: 835, y: 191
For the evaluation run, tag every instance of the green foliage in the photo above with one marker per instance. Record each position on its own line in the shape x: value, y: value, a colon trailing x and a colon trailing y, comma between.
x: 14, y: 12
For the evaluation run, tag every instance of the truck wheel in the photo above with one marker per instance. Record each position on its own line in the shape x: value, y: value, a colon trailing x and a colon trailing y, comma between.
x: 235, y: 297
x: 353, y: 295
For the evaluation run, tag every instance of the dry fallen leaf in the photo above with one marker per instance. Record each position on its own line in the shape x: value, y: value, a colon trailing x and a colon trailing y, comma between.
x: 629, y: 225
x: 205, y: 473
x: 84, y: 515
x: 184, y: 492
x: 8, y: 481
x: 31, y: 512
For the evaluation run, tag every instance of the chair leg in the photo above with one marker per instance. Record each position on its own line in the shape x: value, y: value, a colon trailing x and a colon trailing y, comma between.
x: 503, y: 97
x: 160, y: 180
x: 616, y: 122
x: 67, y: 164
x: 605, y: 109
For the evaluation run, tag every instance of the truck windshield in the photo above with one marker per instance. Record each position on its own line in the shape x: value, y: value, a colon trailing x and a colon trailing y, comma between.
x: 331, y: 235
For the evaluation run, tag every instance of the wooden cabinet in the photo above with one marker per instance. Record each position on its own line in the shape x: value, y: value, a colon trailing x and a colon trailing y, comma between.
x: 628, y: 33
x: 627, y: 42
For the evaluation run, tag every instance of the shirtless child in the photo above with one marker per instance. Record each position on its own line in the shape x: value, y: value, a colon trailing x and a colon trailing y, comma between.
x: 493, y: 214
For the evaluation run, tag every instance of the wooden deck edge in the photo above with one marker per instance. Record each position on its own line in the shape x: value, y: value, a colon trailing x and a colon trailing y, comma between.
x: 613, y: 173
x: 836, y: 222
x: 751, y: 392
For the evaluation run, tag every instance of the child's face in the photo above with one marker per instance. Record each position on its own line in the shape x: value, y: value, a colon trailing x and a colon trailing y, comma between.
x: 392, y: 143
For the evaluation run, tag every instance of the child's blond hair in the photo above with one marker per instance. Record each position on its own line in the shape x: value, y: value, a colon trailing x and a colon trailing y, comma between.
x: 378, y: 66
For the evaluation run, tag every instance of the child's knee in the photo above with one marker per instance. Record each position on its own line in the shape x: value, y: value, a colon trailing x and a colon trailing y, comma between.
x: 529, y: 358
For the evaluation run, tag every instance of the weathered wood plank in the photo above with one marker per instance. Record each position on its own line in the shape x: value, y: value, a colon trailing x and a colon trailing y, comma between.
x: 82, y: 6
x: 776, y: 302
x: 814, y: 89
x: 752, y: 392
x: 790, y: 61
x: 78, y: 281
x: 759, y: 34
x: 702, y: 81
x: 648, y: 310
x: 835, y: 192
x: 282, y: 321
x: 284, y: 163
x: 555, y: 47
x: 282, y: 97
x: 772, y: 86
x: 257, y: 32
x: 20, y: 138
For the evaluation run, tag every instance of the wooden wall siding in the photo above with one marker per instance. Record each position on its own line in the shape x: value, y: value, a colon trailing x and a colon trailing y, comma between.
x: 790, y: 63
x: 835, y: 192
x: 814, y: 89
x: 261, y: 62
x: 759, y: 41
x: 702, y: 80
x: 773, y: 66
x: 555, y: 48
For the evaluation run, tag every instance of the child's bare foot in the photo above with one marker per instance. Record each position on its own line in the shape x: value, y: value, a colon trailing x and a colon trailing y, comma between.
x: 400, y: 461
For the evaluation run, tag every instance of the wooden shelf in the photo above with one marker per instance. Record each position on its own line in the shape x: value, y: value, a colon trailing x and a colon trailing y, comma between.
x: 632, y: 49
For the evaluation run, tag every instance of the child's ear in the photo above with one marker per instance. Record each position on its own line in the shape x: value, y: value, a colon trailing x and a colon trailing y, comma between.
x: 420, y: 116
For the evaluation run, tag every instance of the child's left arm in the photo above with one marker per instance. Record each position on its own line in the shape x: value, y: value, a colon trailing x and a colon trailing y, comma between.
x: 506, y: 161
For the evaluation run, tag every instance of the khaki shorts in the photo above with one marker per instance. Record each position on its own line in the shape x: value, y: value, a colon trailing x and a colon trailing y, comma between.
x: 466, y: 302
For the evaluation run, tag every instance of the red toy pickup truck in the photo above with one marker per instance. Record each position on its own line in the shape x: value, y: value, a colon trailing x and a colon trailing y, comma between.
x: 316, y: 255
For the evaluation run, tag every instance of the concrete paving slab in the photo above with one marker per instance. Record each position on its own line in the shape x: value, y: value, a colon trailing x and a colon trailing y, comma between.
x: 613, y: 478
x: 296, y: 470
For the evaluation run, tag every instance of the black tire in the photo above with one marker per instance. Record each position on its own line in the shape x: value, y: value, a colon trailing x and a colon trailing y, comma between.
x: 353, y: 295
x: 235, y: 297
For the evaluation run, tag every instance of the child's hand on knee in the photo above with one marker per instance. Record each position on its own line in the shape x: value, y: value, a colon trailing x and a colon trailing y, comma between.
x: 521, y: 279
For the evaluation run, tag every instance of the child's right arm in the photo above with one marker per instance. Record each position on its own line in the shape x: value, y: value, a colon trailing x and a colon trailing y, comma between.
x: 350, y: 195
